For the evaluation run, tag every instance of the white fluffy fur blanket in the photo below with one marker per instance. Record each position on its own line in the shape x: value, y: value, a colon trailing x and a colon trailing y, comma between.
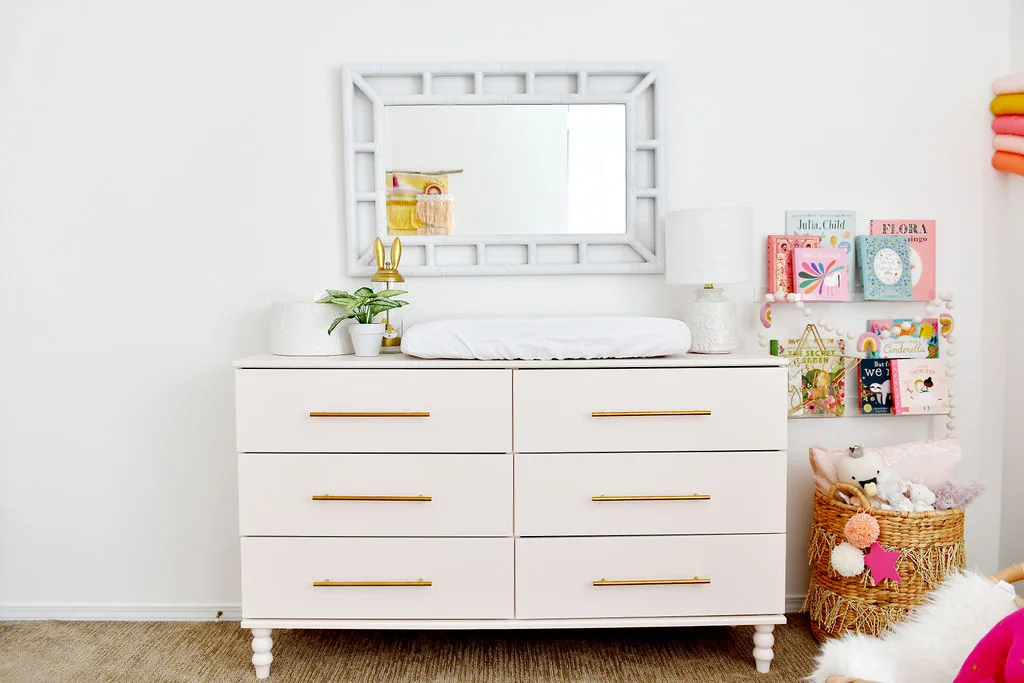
x: 931, y: 645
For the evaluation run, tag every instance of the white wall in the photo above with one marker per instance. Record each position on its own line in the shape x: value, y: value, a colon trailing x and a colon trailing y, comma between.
x: 1012, y: 190
x: 167, y: 169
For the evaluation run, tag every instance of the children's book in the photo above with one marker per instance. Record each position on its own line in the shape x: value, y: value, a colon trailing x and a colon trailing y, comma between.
x: 836, y: 229
x: 921, y: 234
x: 780, y: 259
x: 875, y: 387
x: 907, y: 339
x: 919, y: 385
x: 817, y: 378
x: 885, y: 267
x: 821, y: 274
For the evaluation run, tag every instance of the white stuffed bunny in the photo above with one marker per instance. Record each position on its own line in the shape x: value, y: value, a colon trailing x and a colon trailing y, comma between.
x: 921, y: 497
x: 892, y: 493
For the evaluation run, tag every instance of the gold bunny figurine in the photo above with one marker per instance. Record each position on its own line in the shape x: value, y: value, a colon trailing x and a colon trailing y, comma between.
x: 387, y: 270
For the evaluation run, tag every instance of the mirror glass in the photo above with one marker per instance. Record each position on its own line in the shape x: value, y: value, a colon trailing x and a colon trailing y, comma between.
x: 514, y: 169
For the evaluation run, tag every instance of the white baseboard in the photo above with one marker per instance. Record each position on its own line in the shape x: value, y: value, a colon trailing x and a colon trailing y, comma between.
x: 120, y: 612
x: 167, y: 612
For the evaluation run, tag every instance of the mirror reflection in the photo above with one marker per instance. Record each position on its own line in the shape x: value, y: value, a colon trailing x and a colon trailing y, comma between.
x: 505, y: 169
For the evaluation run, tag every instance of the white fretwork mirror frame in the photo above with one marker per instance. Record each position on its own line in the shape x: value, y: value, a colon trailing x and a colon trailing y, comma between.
x: 367, y: 89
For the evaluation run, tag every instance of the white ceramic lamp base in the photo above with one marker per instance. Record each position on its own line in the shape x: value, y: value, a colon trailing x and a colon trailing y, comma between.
x: 712, y: 322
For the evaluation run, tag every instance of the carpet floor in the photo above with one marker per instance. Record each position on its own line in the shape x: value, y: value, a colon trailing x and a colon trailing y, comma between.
x: 45, y: 651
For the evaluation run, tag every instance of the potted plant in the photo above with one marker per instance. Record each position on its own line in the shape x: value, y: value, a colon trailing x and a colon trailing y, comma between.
x: 364, y: 305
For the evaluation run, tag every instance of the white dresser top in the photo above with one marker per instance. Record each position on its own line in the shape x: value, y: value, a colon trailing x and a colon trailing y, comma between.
x: 400, y: 360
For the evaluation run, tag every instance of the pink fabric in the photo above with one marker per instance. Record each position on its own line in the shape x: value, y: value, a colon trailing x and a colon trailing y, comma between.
x: 931, y: 463
x: 1008, y: 143
x: 1006, y: 85
x: 999, y: 656
x: 1008, y: 124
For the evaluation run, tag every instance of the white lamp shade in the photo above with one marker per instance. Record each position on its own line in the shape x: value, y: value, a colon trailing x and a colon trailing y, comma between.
x: 708, y: 246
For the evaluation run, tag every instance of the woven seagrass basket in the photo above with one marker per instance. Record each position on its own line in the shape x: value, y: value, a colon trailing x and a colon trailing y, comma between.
x: 931, y: 546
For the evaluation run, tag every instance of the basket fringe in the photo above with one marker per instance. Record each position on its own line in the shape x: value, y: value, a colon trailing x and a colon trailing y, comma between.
x: 828, y: 609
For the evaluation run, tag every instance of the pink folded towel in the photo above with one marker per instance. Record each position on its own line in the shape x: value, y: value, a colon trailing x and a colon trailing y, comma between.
x: 1008, y: 84
x: 1008, y: 143
x: 1008, y: 124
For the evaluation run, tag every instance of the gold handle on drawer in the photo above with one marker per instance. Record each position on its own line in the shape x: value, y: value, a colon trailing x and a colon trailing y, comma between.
x: 692, y: 496
x: 653, y: 582
x: 404, y: 499
x: 372, y: 413
x: 647, y: 413
x: 370, y: 584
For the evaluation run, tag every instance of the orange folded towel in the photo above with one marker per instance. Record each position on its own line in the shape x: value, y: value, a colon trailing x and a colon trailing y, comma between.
x: 1007, y: 104
x: 1010, y: 163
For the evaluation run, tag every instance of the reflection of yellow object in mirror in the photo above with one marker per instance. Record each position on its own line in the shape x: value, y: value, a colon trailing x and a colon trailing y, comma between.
x: 403, y: 200
x: 434, y: 212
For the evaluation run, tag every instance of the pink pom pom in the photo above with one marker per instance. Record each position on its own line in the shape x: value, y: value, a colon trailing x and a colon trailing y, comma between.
x: 861, y: 530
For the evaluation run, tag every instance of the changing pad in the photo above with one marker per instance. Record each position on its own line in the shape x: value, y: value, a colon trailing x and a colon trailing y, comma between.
x: 547, y: 338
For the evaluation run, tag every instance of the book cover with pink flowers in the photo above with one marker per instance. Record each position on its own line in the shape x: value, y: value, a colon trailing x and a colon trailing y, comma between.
x: 921, y: 235
x: 821, y: 274
x: 919, y: 386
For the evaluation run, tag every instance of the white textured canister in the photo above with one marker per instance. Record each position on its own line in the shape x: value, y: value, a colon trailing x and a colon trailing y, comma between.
x: 300, y: 329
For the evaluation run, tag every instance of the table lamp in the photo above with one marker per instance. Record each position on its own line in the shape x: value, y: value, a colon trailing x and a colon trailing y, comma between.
x: 709, y: 247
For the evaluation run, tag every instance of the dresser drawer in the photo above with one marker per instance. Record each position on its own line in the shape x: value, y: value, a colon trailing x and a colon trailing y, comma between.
x: 650, y: 409
x: 555, y: 577
x: 331, y: 494
x: 451, y: 578
x: 358, y: 411
x: 606, y: 494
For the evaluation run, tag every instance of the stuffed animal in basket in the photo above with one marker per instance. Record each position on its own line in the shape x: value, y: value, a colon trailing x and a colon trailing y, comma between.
x: 861, y: 468
x: 885, y: 489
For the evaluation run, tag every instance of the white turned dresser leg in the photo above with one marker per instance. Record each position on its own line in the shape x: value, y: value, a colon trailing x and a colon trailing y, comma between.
x: 261, y: 657
x: 763, y: 643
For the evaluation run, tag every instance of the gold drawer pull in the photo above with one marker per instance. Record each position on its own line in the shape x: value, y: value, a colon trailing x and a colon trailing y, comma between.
x: 653, y: 582
x: 370, y: 584
x: 647, y: 413
x: 388, y: 413
x: 404, y: 499
x: 692, y: 496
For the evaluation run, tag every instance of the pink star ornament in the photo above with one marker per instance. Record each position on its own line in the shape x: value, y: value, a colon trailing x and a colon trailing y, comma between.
x: 882, y: 563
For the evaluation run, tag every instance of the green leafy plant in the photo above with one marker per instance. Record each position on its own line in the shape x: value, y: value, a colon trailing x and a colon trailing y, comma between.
x: 364, y: 304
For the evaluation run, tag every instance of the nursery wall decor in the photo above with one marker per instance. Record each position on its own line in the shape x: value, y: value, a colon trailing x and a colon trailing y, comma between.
x: 922, y: 334
x: 1008, y: 125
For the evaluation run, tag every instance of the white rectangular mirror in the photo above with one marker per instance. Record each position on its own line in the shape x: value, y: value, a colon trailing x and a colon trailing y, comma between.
x: 509, y: 169
x: 505, y: 169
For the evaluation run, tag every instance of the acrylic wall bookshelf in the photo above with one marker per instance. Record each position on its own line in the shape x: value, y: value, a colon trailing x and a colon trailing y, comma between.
x: 854, y: 340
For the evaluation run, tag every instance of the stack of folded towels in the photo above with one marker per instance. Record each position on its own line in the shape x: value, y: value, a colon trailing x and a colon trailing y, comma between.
x: 1008, y: 125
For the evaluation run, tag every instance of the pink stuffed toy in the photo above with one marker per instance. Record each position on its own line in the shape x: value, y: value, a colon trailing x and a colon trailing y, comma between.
x: 999, y: 656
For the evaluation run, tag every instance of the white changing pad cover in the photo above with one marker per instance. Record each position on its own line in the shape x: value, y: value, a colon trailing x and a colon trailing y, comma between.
x: 547, y: 338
